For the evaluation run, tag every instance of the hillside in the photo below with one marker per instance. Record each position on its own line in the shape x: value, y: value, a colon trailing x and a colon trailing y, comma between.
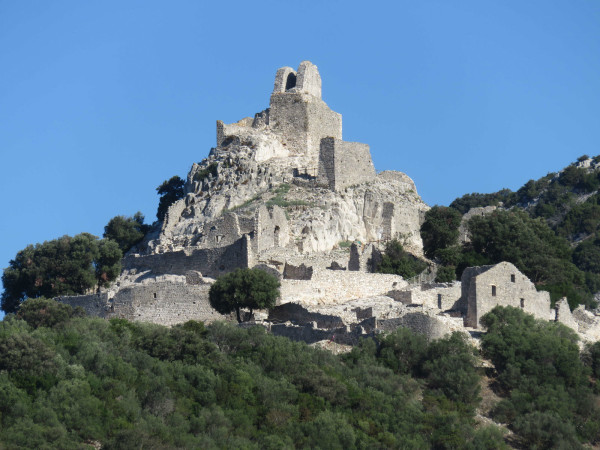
x: 68, y: 381
x: 548, y: 228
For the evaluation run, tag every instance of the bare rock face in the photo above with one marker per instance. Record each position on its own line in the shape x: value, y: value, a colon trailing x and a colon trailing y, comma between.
x: 286, y: 179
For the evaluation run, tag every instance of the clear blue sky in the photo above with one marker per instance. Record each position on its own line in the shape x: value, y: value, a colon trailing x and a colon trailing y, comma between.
x: 102, y: 101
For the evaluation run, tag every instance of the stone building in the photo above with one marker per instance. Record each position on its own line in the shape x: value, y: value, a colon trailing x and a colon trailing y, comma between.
x: 485, y: 287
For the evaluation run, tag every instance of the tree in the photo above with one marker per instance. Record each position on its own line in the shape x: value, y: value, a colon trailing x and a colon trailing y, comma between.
x: 244, y: 288
x: 170, y: 191
x: 398, y: 261
x: 64, y: 266
x: 126, y: 231
x: 440, y: 229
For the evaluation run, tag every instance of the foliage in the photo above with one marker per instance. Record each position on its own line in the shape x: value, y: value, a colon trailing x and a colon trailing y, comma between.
x: 170, y: 191
x: 42, y: 312
x: 244, y: 288
x: 397, y: 261
x: 440, y: 229
x: 586, y: 255
x: 534, y: 248
x: 64, y: 266
x: 202, y: 174
x: 468, y: 201
x: 126, y: 231
x: 445, y: 274
x: 131, y: 385
x: 548, y: 399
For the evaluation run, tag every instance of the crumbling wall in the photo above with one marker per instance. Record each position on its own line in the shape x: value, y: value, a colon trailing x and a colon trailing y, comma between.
x: 223, y: 231
x: 432, y: 327
x: 164, y: 303
x: 271, y: 229
x: 343, y: 164
x: 563, y: 314
x: 337, y: 286
x: 301, y: 272
x: 292, y: 312
x: 211, y: 262
x: 443, y: 296
x: 95, y: 305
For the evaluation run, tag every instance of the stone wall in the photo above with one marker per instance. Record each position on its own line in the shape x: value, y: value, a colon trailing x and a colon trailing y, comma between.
x: 343, y: 164
x: 443, y: 296
x: 338, y: 286
x: 164, y: 303
x: 485, y: 287
x: 271, y: 229
x: 211, y: 262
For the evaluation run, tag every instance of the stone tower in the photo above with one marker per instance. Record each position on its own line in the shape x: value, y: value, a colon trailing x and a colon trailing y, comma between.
x: 297, y: 113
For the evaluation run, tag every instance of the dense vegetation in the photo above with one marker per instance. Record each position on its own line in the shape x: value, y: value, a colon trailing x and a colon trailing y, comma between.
x: 548, y: 397
x: 537, y: 231
x: 64, y: 266
x: 126, y: 231
x: 396, y: 260
x: 66, y: 380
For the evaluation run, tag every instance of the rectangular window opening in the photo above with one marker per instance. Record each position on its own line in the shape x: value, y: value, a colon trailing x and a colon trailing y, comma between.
x: 512, y: 278
x: 493, y: 291
x: 155, y: 295
x: 522, y: 303
x: 439, y: 301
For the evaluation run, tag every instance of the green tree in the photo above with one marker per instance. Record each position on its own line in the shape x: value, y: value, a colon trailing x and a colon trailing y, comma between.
x: 397, y: 261
x: 64, y: 266
x: 170, y: 191
x: 440, y: 229
x: 126, y: 231
x: 244, y: 288
x: 533, y: 247
x: 43, y: 312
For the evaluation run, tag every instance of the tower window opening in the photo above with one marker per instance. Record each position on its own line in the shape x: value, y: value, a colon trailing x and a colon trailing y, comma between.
x: 290, y: 82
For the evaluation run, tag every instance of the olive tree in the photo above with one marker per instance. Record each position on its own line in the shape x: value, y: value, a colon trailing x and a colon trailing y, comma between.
x: 244, y: 288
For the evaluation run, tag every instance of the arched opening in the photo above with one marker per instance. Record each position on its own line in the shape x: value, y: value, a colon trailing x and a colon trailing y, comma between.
x: 276, y: 236
x: 291, y: 81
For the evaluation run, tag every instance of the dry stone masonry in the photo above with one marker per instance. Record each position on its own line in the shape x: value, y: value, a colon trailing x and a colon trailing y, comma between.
x: 284, y: 192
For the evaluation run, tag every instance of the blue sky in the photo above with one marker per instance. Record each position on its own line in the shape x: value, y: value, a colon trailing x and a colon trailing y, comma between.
x: 102, y: 101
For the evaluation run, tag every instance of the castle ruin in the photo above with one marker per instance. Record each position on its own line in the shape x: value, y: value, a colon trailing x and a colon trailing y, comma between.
x: 282, y: 191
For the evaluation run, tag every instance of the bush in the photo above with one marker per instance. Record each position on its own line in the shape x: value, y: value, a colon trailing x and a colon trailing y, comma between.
x: 397, y: 261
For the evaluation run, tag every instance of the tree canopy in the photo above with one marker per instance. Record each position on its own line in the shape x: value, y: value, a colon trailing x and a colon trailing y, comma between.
x: 126, y: 231
x: 244, y: 288
x: 440, y: 229
x: 170, y: 191
x: 398, y: 261
x: 64, y: 266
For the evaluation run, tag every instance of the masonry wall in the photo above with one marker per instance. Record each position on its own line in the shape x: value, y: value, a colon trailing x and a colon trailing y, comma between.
x: 301, y: 121
x: 338, y: 286
x: 443, y: 296
x: 343, y: 164
x: 164, y: 303
x: 211, y: 262
x: 95, y: 305
x: 495, y: 286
